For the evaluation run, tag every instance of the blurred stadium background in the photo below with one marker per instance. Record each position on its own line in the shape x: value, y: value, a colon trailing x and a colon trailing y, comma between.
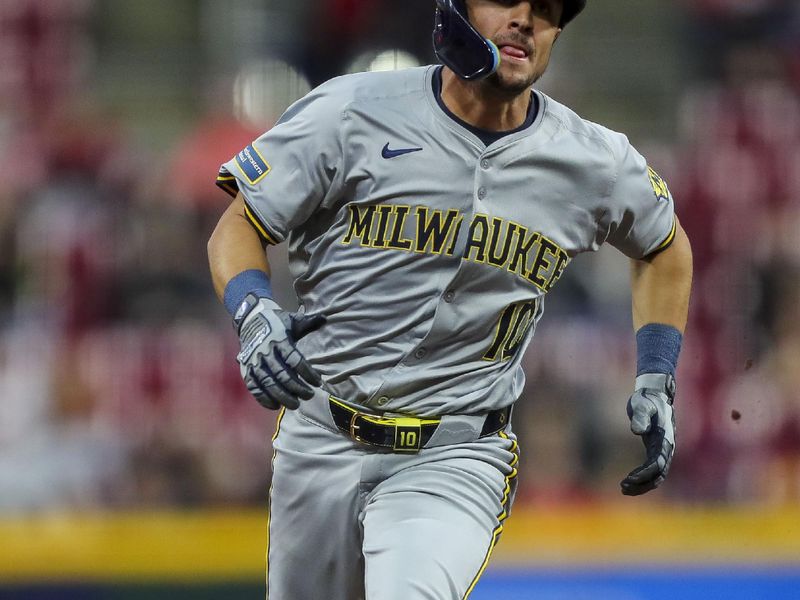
x: 132, y: 462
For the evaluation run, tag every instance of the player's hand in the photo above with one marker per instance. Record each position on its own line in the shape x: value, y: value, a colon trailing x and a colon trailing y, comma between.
x: 652, y: 417
x: 275, y: 371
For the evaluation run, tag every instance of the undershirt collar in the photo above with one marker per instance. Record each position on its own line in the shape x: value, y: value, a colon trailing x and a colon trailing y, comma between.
x: 486, y: 136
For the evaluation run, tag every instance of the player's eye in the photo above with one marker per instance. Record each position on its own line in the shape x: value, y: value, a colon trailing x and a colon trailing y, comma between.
x: 542, y: 7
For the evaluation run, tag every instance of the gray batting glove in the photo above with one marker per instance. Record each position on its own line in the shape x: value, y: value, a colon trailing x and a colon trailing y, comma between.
x: 275, y: 371
x: 652, y: 417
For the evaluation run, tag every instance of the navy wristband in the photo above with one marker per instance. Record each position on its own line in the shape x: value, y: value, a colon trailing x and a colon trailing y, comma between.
x: 252, y: 280
x: 657, y: 349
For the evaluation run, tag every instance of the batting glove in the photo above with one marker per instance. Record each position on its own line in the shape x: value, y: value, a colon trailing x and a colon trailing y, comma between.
x: 652, y: 417
x: 275, y: 371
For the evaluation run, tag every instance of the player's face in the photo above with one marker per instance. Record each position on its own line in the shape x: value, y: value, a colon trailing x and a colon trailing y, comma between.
x: 524, y: 31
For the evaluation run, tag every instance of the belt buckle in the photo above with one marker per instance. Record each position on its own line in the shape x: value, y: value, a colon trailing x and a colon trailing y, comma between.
x: 354, y: 427
x: 407, y: 434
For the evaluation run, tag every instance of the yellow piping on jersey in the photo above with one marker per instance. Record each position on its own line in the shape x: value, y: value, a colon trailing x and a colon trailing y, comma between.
x: 259, y: 226
x: 670, y: 237
x: 228, y: 184
x: 269, y: 508
x: 501, y: 517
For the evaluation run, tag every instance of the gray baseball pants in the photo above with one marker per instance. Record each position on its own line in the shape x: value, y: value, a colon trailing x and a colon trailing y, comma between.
x: 353, y: 522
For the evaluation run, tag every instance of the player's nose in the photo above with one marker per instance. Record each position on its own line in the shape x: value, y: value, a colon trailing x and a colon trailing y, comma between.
x: 521, y: 18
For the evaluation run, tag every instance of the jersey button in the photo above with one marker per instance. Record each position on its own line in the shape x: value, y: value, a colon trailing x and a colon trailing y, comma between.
x: 481, y: 193
x: 382, y: 401
x: 420, y: 353
x: 449, y: 296
x: 485, y: 163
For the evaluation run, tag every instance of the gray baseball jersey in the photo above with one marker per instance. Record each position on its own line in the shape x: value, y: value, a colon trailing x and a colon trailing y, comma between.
x: 428, y: 252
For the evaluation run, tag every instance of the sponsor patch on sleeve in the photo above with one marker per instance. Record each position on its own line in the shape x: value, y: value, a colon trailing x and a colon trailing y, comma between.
x: 659, y: 185
x: 252, y: 164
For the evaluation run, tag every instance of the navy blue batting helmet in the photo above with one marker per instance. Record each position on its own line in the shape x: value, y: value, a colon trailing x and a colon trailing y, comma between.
x: 459, y: 45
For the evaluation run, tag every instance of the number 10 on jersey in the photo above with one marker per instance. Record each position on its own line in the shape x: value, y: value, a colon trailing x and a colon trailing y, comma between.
x: 512, y: 328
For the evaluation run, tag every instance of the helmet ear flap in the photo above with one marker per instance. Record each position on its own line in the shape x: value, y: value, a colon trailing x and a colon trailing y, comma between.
x: 495, y: 55
x: 459, y: 45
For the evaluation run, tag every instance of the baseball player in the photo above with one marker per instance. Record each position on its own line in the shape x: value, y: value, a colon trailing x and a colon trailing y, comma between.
x: 428, y: 212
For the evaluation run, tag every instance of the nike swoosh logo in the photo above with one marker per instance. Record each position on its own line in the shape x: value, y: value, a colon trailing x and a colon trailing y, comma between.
x: 388, y: 153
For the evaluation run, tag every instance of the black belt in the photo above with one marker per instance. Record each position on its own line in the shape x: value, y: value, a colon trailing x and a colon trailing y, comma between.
x: 401, y: 434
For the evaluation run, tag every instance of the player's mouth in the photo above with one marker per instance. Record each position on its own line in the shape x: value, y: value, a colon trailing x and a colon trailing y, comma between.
x: 514, y: 52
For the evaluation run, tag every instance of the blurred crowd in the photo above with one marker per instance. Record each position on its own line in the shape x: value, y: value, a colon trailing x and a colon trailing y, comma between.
x: 118, y: 384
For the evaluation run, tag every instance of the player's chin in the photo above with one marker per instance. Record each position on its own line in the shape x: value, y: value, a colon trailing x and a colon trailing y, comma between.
x: 513, y: 80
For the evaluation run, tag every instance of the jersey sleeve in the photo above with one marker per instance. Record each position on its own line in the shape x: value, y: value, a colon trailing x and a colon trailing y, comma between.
x: 640, y: 216
x: 286, y: 173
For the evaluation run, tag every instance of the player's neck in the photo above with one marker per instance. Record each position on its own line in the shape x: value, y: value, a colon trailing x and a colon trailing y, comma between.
x: 477, y: 105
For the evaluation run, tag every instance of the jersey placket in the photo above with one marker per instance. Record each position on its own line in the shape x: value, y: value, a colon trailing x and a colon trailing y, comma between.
x: 443, y: 323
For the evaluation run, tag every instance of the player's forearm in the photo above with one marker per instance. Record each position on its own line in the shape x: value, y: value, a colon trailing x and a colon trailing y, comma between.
x: 661, y: 286
x: 234, y: 247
